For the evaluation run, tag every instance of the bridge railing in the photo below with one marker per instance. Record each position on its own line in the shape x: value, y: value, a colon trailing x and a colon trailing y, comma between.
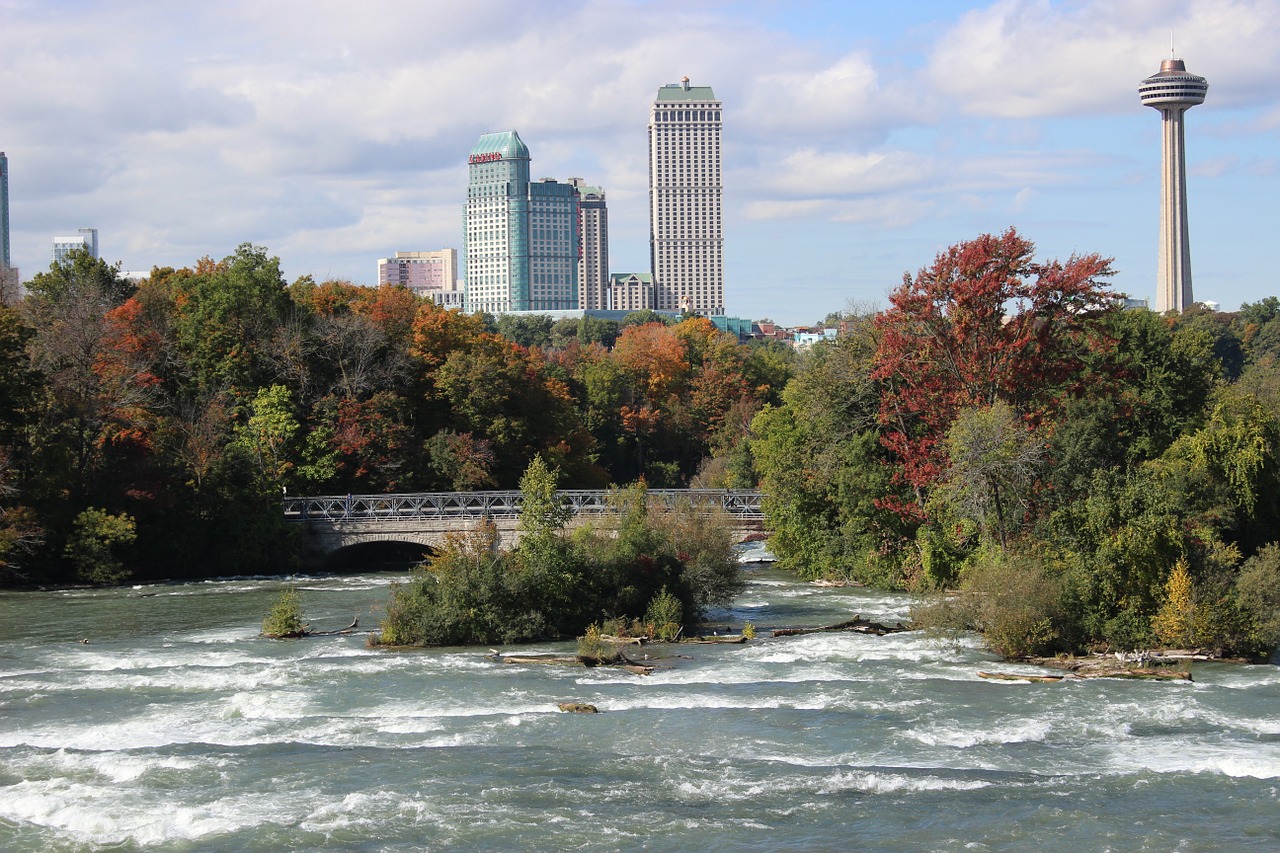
x: 504, y: 504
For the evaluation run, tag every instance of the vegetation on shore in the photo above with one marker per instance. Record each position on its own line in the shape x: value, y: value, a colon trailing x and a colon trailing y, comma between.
x: 1038, y: 463
x: 148, y: 429
x: 1004, y: 439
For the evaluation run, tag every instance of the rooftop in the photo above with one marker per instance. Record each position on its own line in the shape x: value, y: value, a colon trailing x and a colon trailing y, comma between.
x: 677, y: 93
x: 507, y: 144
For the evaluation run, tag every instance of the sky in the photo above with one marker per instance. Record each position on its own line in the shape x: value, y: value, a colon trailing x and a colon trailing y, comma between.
x: 859, y: 139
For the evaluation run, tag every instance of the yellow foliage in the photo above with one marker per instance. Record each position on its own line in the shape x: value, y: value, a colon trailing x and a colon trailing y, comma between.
x: 1177, y: 623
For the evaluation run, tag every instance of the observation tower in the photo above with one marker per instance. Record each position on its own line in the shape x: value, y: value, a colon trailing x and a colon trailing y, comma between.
x: 1173, y: 91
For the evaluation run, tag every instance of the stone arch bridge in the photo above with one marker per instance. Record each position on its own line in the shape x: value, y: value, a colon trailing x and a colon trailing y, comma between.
x: 410, y: 526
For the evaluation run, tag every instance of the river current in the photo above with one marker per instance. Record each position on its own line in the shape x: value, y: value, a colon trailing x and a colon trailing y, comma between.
x: 175, y: 728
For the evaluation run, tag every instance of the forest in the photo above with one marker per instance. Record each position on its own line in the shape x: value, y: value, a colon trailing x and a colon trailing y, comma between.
x: 1005, y: 439
x: 149, y: 430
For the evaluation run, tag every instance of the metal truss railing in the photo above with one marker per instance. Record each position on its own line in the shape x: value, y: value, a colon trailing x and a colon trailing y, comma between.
x: 505, y: 504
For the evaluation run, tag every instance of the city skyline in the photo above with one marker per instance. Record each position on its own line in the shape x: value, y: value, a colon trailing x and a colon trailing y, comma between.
x: 859, y: 139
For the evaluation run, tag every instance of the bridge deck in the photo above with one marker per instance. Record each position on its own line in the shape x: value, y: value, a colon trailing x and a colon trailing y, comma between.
x: 504, y: 504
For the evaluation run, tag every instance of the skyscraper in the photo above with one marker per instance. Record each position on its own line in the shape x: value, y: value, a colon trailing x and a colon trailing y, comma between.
x: 521, y: 236
x: 4, y: 212
x: 593, y: 230
x: 1173, y: 91
x: 686, y: 237
x: 86, y: 239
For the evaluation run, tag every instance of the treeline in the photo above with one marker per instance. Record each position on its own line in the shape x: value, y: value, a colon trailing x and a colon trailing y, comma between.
x: 1072, y: 473
x: 150, y: 430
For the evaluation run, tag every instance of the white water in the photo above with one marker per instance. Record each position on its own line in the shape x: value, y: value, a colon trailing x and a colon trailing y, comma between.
x: 176, y: 728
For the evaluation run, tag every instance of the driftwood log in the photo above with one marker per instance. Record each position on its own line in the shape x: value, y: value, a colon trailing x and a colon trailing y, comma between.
x: 1110, y: 667
x: 1013, y: 676
x: 622, y: 662
x: 307, y: 632
x: 856, y: 624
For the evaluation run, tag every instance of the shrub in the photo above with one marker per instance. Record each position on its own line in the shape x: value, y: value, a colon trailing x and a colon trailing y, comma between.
x: 285, y: 618
x: 666, y: 614
x: 748, y: 630
x: 1011, y: 599
x: 703, y: 545
x: 593, y: 649
x: 1257, y: 601
x: 1128, y: 630
x: 95, y: 542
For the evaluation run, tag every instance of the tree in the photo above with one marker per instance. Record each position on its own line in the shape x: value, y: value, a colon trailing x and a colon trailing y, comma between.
x: 1178, y: 622
x: 984, y: 323
x: 95, y: 544
x: 821, y: 467
x: 227, y: 316
x: 543, y: 510
x: 995, y: 461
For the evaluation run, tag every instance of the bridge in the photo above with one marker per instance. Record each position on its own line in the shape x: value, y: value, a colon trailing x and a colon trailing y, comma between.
x: 407, y: 527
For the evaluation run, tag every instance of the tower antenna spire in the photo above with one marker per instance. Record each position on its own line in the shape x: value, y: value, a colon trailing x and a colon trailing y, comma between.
x: 1172, y: 54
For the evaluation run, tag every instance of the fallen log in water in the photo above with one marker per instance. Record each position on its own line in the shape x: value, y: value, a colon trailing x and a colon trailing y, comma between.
x: 1104, y: 667
x: 623, y: 641
x: 621, y: 662
x: 350, y: 629
x: 856, y: 624
x: 730, y: 639
x: 307, y: 632
x: 1013, y: 676
x: 542, y: 660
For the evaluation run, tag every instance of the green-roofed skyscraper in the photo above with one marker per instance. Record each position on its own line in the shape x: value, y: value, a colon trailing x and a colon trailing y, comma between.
x: 521, y: 236
x: 686, y: 234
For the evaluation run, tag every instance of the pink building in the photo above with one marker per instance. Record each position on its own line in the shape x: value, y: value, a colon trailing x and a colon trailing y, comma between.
x: 422, y: 272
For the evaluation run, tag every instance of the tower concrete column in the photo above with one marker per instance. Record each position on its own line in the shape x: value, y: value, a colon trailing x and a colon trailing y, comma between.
x: 1173, y: 91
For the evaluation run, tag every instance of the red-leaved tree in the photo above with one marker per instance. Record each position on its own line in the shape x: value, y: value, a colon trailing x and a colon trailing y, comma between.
x: 984, y: 323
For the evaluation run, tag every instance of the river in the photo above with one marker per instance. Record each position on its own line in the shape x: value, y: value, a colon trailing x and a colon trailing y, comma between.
x: 175, y: 728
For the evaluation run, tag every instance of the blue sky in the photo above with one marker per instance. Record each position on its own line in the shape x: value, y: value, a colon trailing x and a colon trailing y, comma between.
x: 860, y: 138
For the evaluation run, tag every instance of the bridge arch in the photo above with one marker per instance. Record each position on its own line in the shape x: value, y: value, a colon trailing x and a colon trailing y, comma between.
x: 400, y: 522
x: 373, y: 554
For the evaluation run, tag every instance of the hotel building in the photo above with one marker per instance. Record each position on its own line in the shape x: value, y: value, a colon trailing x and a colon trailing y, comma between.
x: 422, y: 272
x: 686, y: 241
x: 593, y: 231
x: 521, y: 236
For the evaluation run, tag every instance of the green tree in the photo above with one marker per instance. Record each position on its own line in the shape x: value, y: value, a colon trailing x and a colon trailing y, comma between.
x: 995, y: 462
x: 227, y: 316
x: 96, y: 543
x: 543, y: 510
x: 285, y: 619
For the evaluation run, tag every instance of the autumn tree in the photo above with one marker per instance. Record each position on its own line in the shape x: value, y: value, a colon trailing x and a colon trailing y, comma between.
x: 984, y: 322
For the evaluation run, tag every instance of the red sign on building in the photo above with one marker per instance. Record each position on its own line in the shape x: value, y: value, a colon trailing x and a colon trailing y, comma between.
x: 484, y: 158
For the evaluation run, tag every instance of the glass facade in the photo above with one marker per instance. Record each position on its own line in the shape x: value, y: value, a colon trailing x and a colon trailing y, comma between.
x: 521, y: 238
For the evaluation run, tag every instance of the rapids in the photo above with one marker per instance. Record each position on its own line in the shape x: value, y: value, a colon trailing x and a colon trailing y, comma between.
x: 176, y: 728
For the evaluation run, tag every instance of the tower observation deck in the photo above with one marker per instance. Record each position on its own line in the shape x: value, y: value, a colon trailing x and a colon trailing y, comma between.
x: 1173, y: 91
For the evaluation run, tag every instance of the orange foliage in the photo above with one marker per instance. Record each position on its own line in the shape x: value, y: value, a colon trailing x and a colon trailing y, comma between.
x: 655, y: 357
x: 438, y: 332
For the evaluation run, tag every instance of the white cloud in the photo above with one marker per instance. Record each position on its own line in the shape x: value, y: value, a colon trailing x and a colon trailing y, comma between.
x: 1025, y: 58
